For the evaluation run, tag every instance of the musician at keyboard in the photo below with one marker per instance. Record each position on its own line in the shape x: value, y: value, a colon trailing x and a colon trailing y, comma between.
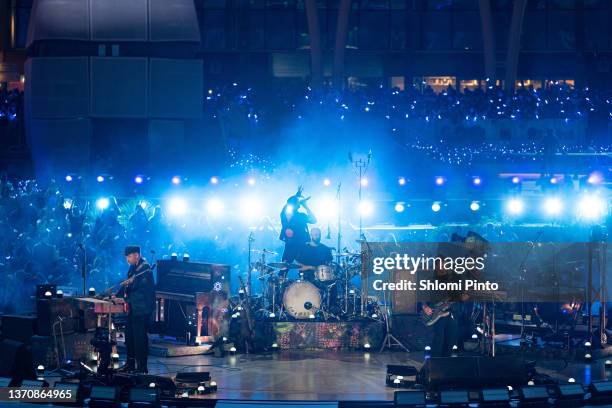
x: 139, y: 292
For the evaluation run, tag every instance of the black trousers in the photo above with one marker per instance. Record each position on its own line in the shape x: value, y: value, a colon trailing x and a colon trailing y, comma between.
x: 137, y: 341
x: 445, y: 336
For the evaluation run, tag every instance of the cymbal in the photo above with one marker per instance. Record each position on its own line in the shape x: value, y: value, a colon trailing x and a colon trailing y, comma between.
x: 348, y: 253
x: 283, y: 265
x: 264, y: 251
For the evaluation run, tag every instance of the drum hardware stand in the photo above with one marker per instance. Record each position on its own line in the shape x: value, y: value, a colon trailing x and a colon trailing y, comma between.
x: 250, y: 269
x: 390, y: 340
x: 365, y: 260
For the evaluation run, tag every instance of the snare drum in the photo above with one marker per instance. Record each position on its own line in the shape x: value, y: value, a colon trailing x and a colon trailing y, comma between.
x: 325, y: 273
x: 301, y: 299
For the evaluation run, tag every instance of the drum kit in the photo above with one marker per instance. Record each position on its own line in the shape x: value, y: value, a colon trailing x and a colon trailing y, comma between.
x: 324, y: 292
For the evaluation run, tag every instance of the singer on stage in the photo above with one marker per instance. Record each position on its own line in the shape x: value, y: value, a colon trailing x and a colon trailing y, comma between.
x: 139, y: 292
x: 294, y: 231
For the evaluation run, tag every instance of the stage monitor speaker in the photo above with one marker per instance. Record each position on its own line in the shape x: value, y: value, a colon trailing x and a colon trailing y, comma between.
x: 409, y: 399
x: 19, y: 328
x: 450, y: 371
x: 16, y: 361
x: 473, y: 372
x: 501, y: 371
x: 164, y: 385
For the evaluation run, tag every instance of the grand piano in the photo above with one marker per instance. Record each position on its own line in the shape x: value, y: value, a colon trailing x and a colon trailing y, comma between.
x: 192, y: 300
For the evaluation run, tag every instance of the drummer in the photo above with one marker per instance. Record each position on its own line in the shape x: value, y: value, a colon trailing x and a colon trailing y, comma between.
x: 313, y: 254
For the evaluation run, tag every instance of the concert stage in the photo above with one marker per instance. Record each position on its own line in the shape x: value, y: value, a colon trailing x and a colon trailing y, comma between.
x: 328, y: 375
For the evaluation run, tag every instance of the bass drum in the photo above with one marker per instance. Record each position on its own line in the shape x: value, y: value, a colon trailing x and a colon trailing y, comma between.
x: 301, y: 299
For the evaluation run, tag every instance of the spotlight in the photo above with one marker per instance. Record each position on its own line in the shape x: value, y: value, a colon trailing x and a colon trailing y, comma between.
x: 553, y: 206
x: 177, y: 206
x: 40, y: 370
x: 364, y: 182
x: 515, y: 206
x: 327, y: 182
x: 102, y: 203
x: 174, y: 256
x: 251, y: 181
x: 250, y: 207
x: 367, y: 346
x: 436, y: 207
x: 143, y: 204
x: 138, y: 179
x: 59, y: 293
x: 69, y: 178
x: 591, y: 208
x: 366, y: 208
x: 516, y: 180
x: 185, y: 257
x: 608, y: 363
x: 595, y: 178
x: 326, y: 208
x: 399, y: 207
x: 474, y: 206
x: 176, y: 180
x: 476, y: 181
x: 214, y: 180
x: 554, y: 180
x: 100, y: 179
x: 401, y: 181
x: 92, y: 291
x: 214, y: 206
x: 440, y: 180
x: 67, y: 203
x: 48, y: 294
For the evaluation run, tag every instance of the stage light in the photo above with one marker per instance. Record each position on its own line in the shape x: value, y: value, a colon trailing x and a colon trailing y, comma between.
x: 475, y: 206
x: 100, y: 179
x: 571, y: 380
x: 367, y: 346
x: 595, y: 178
x: 399, y: 207
x: 67, y: 203
x: 69, y: 178
x: 326, y: 208
x: 608, y: 363
x: 327, y: 182
x: 516, y: 180
x: 591, y: 208
x: 476, y: 181
x: 366, y: 208
x: 102, y: 203
x: 436, y: 207
x: 214, y: 180
x: 554, y: 180
x: 401, y: 181
x: 92, y: 291
x: 176, y: 180
x: 177, y: 206
x: 59, y: 293
x: 553, y: 206
x: 138, y: 180
x: 250, y: 208
x: 515, y: 206
x: 143, y: 204
x: 251, y: 181
x: 364, y: 182
x: 48, y: 294
x: 440, y: 180
x: 214, y: 206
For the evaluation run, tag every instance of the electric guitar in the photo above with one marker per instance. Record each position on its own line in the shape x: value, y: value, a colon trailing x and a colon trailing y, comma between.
x: 439, y: 310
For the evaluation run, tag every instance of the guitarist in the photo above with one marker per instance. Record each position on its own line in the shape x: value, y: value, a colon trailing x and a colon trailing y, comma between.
x: 139, y: 293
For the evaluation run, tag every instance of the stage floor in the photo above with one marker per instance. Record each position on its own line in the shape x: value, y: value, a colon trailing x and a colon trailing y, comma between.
x: 327, y: 375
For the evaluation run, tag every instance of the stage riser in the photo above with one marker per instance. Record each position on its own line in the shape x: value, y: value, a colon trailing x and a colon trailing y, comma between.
x: 327, y: 335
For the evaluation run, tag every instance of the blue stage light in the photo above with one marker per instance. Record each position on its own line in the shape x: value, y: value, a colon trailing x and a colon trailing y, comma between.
x: 138, y: 179
x: 591, y: 208
x: 214, y: 206
x: 250, y: 208
x: 364, y: 182
x: 516, y: 180
x: 553, y: 206
x: 100, y: 179
x: 69, y: 178
x: 327, y: 182
x: 251, y: 181
x: 102, y: 203
x: 67, y: 203
x: 476, y: 181
x: 214, y: 180
x: 399, y: 207
x: 366, y: 208
x: 440, y: 180
x: 401, y: 181
x: 176, y: 180
x: 436, y: 206
x: 474, y: 206
x: 177, y: 206
x: 515, y: 206
x: 595, y: 178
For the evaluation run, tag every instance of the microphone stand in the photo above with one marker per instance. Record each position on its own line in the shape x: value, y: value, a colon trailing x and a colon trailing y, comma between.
x: 84, y: 268
x: 250, y: 267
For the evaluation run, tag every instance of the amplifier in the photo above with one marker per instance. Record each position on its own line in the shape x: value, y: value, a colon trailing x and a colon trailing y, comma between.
x: 18, y: 327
